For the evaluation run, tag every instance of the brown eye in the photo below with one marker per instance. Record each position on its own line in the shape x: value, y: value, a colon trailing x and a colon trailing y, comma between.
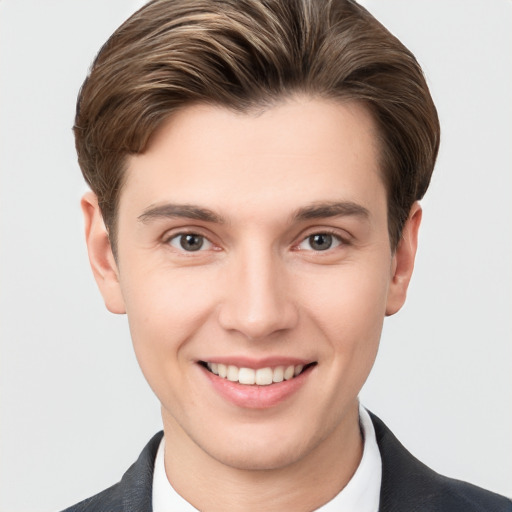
x: 189, y: 242
x: 320, y: 242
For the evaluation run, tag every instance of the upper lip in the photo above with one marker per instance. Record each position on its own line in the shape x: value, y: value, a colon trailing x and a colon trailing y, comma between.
x: 256, y: 363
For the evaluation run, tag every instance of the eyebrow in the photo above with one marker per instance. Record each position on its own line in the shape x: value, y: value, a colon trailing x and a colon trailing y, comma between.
x: 320, y: 210
x: 187, y: 211
x: 323, y: 210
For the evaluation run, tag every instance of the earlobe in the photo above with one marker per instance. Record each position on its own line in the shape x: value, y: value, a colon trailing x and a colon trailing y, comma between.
x: 403, y: 261
x: 101, y: 258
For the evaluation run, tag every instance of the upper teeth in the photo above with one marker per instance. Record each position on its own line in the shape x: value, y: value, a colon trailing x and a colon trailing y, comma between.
x: 261, y: 376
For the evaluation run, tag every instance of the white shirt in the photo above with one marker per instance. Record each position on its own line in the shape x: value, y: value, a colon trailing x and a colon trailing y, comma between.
x: 361, y: 494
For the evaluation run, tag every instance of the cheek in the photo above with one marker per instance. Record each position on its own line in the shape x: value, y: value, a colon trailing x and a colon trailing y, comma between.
x: 349, y: 308
x: 351, y: 298
x: 167, y: 300
x: 353, y: 334
x: 164, y: 311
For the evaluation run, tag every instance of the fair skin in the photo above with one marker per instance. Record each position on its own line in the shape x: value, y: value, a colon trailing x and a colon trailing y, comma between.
x: 257, y: 241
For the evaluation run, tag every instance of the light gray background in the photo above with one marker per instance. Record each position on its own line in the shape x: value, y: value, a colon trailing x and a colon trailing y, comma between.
x: 75, y: 410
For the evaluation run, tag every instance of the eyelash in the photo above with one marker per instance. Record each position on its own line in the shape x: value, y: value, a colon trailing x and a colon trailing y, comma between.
x: 340, y: 241
x: 178, y: 238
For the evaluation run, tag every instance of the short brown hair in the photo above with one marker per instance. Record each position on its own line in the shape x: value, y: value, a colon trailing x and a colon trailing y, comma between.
x: 246, y: 53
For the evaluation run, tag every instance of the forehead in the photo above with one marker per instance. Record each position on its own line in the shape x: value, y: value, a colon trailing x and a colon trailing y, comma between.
x: 296, y: 152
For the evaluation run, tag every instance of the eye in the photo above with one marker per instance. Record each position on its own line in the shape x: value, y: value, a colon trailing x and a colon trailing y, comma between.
x: 189, y: 242
x: 320, y: 242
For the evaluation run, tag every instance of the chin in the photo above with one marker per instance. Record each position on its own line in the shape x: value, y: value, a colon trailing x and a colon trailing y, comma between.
x: 256, y: 458
x: 261, y: 450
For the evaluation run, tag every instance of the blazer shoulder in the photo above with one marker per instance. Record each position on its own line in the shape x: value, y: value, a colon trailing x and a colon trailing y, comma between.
x: 109, y: 500
x: 474, y: 498
x: 408, y: 485
x: 133, y: 493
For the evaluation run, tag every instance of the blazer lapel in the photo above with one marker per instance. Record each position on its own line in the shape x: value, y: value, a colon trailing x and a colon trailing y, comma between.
x: 410, y: 486
x: 136, y: 486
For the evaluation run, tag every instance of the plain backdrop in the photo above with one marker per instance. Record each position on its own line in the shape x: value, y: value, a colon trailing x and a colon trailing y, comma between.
x: 75, y: 410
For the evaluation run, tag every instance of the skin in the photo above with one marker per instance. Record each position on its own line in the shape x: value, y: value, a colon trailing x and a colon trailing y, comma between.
x: 257, y: 288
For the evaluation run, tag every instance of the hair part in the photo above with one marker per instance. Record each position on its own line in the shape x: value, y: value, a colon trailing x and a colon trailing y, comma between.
x: 247, y: 54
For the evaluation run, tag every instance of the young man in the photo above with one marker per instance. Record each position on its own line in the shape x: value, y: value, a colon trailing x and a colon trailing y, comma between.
x: 255, y: 169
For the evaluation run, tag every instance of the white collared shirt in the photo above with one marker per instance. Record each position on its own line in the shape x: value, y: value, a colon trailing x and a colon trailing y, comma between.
x: 361, y: 494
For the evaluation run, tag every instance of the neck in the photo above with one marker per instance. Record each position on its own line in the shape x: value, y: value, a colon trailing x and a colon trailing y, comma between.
x: 305, y: 484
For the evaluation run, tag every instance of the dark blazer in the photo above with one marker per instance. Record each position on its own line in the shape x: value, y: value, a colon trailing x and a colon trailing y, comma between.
x: 407, y: 485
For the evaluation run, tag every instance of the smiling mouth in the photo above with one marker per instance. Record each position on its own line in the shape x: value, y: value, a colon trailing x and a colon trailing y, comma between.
x: 259, y: 377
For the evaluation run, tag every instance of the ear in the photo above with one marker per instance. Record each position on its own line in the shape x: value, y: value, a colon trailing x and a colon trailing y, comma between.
x: 403, y: 261
x: 102, y: 260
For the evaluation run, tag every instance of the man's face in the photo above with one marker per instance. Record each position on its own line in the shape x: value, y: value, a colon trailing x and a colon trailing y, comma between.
x: 257, y: 245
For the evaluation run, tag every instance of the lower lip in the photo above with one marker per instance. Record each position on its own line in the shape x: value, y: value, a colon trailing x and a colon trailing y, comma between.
x: 257, y: 397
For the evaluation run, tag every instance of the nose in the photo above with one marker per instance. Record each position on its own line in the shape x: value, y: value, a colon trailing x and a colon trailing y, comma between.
x: 258, y: 299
